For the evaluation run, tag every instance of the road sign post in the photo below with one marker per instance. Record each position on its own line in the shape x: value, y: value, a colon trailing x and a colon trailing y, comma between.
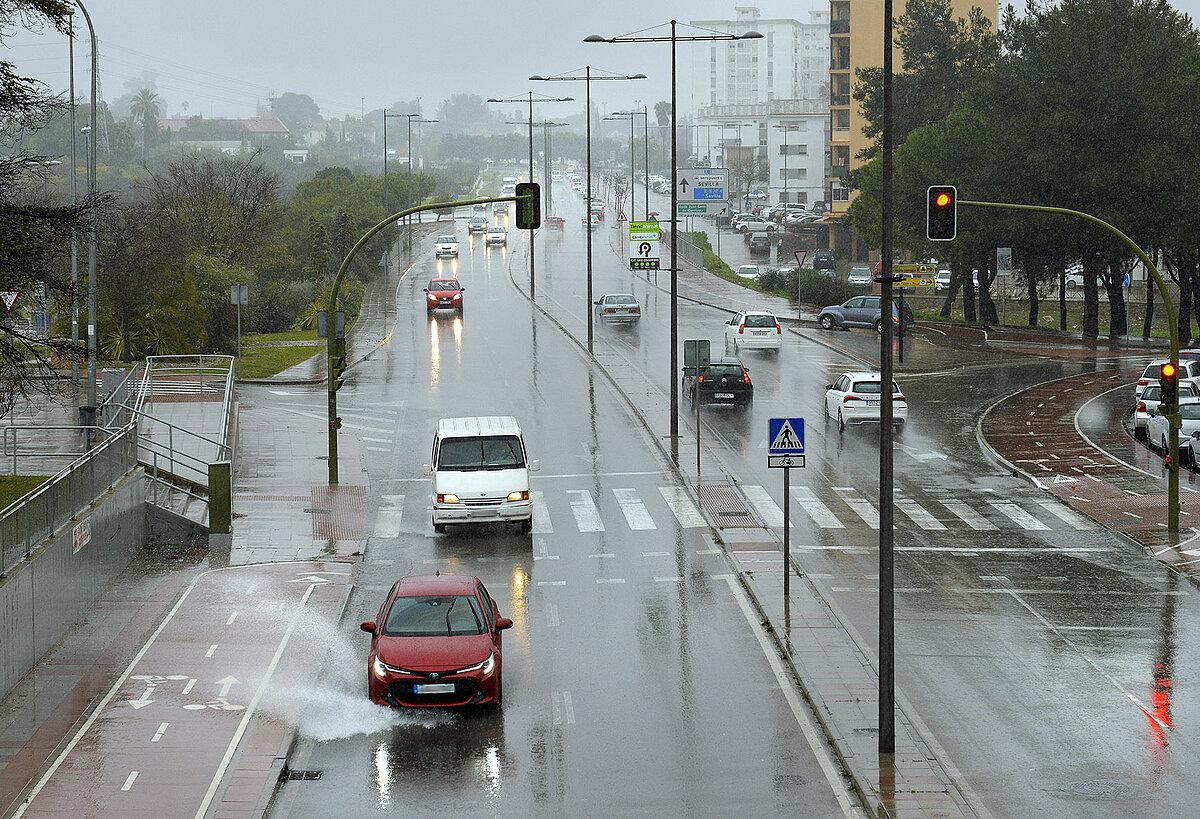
x: 697, y: 353
x: 239, y: 294
x: 785, y: 449
x: 644, y: 245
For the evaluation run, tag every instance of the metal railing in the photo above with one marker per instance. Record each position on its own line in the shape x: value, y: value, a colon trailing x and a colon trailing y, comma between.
x: 35, y: 517
x: 10, y: 444
x: 212, y: 372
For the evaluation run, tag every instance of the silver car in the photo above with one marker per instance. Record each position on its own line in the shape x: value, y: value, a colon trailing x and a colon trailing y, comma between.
x: 859, y: 276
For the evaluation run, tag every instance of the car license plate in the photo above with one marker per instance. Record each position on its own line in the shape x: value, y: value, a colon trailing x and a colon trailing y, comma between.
x: 433, y: 688
x: 872, y: 403
x: 760, y: 332
x: 723, y: 395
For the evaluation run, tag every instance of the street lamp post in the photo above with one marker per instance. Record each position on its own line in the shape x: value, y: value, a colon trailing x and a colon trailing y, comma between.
x: 784, y: 129
x: 87, y: 413
x: 631, y: 116
x: 74, y: 235
x: 410, y: 118
x: 531, y: 101
x: 674, y: 39
x: 626, y: 115
x: 587, y: 78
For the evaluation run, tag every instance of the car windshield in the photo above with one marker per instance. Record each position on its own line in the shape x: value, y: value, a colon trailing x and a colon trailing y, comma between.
x: 1151, y: 393
x: 447, y: 240
x: 748, y: 268
x: 1189, y: 412
x: 444, y: 284
x: 480, y: 453
x: 760, y: 320
x: 1151, y: 371
x: 724, y: 370
x: 622, y: 299
x: 478, y: 220
x: 871, y: 387
x: 433, y: 616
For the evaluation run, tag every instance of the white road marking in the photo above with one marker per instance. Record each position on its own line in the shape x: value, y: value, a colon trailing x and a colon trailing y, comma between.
x: 636, y: 514
x: 708, y: 551
x: 821, y: 514
x: 568, y: 708
x: 552, y: 615
x: 377, y: 440
x: 232, y: 617
x: 1064, y: 514
x: 211, y: 650
x: 387, y: 521
x: 919, y: 515
x: 162, y: 729
x: 656, y: 554
x: 765, y: 505
x: 587, y: 516
x: 187, y: 689
x: 968, y: 515
x: 129, y: 780
x: 227, y: 682
x: 668, y: 580
x: 541, y: 515
x: 1018, y: 516
x: 602, y: 554
x: 816, y: 740
x: 377, y: 449
x: 861, y: 506
x: 552, y: 582
x: 610, y: 580
x: 681, y: 506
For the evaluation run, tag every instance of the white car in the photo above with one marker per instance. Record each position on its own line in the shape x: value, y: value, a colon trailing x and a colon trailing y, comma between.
x: 941, y: 281
x: 748, y: 271
x: 446, y: 246
x: 1189, y: 373
x: 854, y: 399
x: 497, y: 235
x: 753, y: 330
x: 1159, y: 428
x: 1148, y: 403
x: 499, y: 207
x: 859, y: 276
x: 480, y: 473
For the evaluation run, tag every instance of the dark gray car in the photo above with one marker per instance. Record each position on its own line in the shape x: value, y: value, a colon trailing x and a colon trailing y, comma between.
x: 860, y: 311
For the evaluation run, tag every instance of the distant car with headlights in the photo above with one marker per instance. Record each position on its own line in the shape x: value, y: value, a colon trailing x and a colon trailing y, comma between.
x: 859, y: 276
x: 616, y: 308
x: 436, y: 642
x: 446, y: 246
x: 499, y: 207
x: 555, y: 222
x: 444, y: 294
x: 497, y: 235
x: 477, y: 224
x: 480, y: 473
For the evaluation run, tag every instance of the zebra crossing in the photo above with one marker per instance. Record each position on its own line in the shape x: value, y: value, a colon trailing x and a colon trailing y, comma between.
x: 626, y: 509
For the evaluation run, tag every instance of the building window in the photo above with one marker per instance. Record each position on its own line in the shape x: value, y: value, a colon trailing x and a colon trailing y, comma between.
x: 795, y: 173
x: 841, y: 194
x: 793, y: 150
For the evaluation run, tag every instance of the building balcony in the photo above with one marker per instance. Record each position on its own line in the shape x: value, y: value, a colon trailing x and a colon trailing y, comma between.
x: 839, y: 27
x: 839, y: 99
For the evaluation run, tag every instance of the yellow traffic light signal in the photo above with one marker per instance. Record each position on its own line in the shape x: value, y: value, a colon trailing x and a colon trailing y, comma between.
x: 941, y: 214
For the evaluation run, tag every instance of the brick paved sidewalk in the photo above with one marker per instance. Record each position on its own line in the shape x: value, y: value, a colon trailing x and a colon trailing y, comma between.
x: 1068, y: 437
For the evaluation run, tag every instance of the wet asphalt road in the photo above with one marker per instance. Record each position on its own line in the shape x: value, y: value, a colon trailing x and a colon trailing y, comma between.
x: 633, y: 682
x: 1053, y: 662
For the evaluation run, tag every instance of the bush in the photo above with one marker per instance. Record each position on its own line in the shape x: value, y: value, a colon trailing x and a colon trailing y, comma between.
x: 821, y: 290
x: 280, y: 305
x: 775, y: 281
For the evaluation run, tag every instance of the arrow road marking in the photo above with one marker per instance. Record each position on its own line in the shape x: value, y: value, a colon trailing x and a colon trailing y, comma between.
x: 309, y: 579
x: 143, y: 700
x: 226, y: 683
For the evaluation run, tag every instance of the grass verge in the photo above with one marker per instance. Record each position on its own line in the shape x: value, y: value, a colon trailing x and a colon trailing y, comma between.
x: 14, y: 487
x: 263, y: 362
x: 287, y: 335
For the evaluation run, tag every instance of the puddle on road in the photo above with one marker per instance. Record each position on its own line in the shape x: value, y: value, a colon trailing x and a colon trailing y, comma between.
x: 322, y: 691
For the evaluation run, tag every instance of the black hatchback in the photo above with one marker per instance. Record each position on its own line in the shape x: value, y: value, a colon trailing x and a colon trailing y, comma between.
x: 725, y: 381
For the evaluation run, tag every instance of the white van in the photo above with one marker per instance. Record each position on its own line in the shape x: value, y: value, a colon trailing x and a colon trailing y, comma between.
x: 481, y: 473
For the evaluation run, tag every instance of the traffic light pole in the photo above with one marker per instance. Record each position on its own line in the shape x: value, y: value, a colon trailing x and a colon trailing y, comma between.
x: 335, y: 351
x: 1173, y: 418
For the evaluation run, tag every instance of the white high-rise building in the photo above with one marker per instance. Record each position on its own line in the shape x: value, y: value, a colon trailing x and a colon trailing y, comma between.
x: 769, y: 97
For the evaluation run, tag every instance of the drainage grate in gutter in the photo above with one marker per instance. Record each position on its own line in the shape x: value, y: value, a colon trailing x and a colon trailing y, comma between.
x: 292, y: 774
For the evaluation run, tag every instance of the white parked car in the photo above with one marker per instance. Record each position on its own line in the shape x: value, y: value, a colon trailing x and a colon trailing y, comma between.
x: 941, y: 281
x: 497, y: 235
x: 1159, y: 429
x: 854, y: 399
x: 446, y: 246
x: 748, y: 271
x: 1148, y: 403
x: 753, y: 330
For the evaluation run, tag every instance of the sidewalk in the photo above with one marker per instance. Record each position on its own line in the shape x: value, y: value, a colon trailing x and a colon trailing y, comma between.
x: 835, y: 673
x: 1067, y: 437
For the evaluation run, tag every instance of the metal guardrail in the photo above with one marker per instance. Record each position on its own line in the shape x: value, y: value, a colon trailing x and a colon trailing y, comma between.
x: 10, y: 445
x: 35, y: 517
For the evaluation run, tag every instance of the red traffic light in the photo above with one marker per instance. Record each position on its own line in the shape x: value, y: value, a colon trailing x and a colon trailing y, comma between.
x: 942, y: 200
x: 941, y: 213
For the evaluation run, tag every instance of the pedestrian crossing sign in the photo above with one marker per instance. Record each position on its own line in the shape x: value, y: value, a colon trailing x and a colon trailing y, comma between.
x: 785, y: 436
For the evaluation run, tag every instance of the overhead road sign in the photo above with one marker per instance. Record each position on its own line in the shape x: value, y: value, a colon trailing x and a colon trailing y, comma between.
x: 644, y: 245
x: 702, y: 190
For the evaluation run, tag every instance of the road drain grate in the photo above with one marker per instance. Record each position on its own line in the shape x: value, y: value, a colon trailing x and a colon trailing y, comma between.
x: 724, y: 505
x: 1100, y: 789
x: 302, y: 775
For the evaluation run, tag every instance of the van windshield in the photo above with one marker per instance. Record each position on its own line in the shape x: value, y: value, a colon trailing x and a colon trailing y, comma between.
x: 481, y: 453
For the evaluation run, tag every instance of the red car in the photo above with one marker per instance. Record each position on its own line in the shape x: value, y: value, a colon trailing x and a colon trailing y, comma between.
x: 436, y: 642
x: 443, y: 294
x: 554, y: 222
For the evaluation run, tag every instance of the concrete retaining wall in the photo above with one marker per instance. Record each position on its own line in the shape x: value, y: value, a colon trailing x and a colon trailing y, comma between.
x: 43, y: 597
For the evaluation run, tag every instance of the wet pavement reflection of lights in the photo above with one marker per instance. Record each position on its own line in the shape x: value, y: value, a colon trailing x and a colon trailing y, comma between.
x: 457, y: 329
x: 490, y: 767
x: 518, y: 610
x: 435, y: 353
x: 383, y: 774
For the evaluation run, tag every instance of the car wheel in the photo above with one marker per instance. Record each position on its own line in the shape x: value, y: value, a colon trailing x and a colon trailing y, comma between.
x: 879, y: 325
x: 898, y: 426
x: 841, y: 422
x: 1071, y: 285
x: 1163, y: 447
x: 526, y: 526
x: 826, y: 322
x: 440, y: 528
x: 1139, y: 433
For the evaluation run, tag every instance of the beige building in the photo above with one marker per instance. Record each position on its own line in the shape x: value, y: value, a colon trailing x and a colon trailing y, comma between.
x: 856, y: 41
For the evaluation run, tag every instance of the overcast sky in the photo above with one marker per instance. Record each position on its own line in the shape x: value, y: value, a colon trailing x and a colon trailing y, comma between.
x: 221, y: 57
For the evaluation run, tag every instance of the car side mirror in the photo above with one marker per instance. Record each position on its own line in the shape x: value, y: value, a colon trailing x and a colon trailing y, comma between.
x: 462, y: 290
x: 535, y: 466
x: 829, y: 386
x: 503, y: 623
x: 426, y: 289
x: 367, y: 626
x: 428, y: 468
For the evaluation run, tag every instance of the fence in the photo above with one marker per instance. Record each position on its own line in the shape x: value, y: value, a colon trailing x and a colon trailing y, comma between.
x: 33, y: 518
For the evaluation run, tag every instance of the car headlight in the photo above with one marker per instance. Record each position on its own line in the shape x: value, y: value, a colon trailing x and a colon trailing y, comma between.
x: 382, y: 669
x: 518, y: 496
x: 448, y: 498
x: 457, y: 296
x: 484, y: 668
x: 431, y: 297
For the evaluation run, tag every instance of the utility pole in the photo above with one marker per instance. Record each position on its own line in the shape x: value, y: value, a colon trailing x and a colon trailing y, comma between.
x: 87, y: 413
x: 74, y: 234
x: 887, y: 580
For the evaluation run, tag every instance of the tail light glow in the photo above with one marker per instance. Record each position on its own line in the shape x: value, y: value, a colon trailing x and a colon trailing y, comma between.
x: 741, y: 329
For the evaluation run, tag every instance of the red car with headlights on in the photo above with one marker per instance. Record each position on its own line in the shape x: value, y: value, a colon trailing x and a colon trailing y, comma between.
x: 444, y: 294
x: 554, y: 222
x: 436, y: 643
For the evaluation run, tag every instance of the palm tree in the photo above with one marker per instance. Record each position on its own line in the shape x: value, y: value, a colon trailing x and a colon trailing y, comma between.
x: 145, y: 108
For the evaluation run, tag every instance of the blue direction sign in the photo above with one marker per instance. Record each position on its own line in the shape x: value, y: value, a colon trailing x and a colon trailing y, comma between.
x: 785, y: 436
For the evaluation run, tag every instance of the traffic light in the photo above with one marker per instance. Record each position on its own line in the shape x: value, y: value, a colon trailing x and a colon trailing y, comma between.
x: 1168, y: 380
x: 339, y: 363
x: 529, y: 205
x: 941, y: 213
